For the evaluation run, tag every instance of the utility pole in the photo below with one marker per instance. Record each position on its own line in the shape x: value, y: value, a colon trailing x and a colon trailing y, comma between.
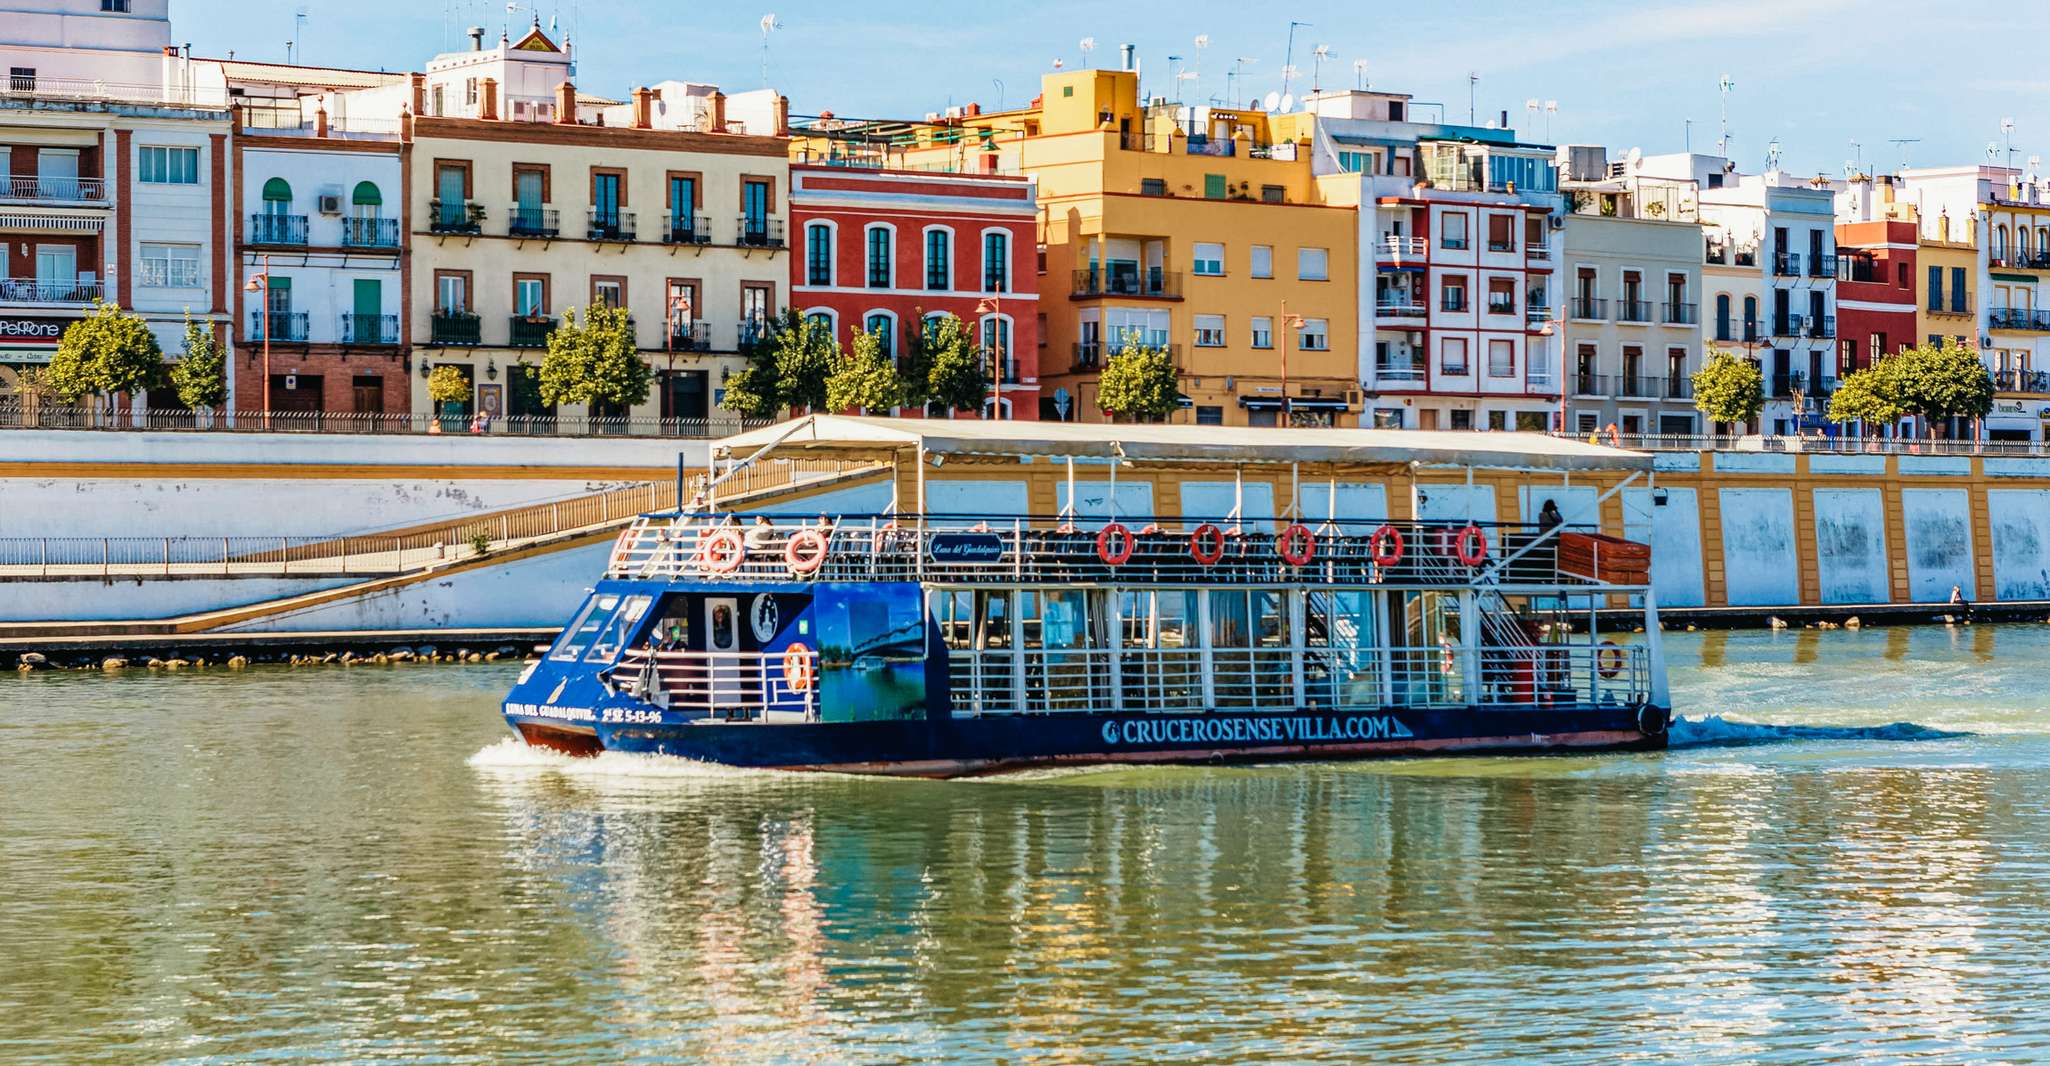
x: 1286, y: 324
x: 260, y: 283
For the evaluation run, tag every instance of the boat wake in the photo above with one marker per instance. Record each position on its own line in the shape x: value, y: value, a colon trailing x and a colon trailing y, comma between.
x: 1715, y: 731
x: 512, y: 757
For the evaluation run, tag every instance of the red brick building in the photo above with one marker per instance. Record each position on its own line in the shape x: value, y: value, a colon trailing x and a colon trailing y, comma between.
x: 1875, y: 291
x: 889, y: 249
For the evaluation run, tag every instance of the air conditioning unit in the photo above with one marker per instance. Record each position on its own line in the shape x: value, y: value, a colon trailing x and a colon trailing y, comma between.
x: 330, y: 203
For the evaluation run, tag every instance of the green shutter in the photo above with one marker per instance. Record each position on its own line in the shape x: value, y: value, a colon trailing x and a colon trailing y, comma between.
x: 278, y: 284
x: 366, y: 193
x: 277, y: 189
x: 1213, y: 186
x: 369, y: 297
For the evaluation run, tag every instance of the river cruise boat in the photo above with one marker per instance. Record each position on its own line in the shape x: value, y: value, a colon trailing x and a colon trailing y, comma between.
x: 913, y: 641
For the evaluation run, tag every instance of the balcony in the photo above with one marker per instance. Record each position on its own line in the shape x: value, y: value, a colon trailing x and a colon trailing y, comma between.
x: 539, y: 222
x: 1587, y: 309
x: 1784, y: 385
x: 756, y: 231
x: 1788, y: 326
x: 531, y: 331
x: 1146, y: 284
x: 1819, y: 327
x: 1088, y: 355
x: 685, y: 228
x: 1681, y: 314
x: 1715, y: 253
x: 454, y: 327
x: 1633, y: 310
x: 370, y: 233
x: 1501, y: 306
x: 1786, y: 264
x: 1501, y: 246
x: 1537, y: 253
x: 609, y: 224
x: 2018, y: 318
x: 1537, y: 314
x: 1400, y: 308
x: 1399, y: 373
x: 694, y: 336
x: 1452, y: 300
x: 748, y: 334
x: 1638, y: 387
x: 1960, y: 304
x: 75, y: 291
x: 462, y: 217
x: 1860, y: 268
x: 55, y: 189
x: 1746, y: 257
x: 277, y: 229
x: 286, y: 327
x: 2033, y: 261
x: 369, y: 329
x: 1590, y: 384
x: 1394, y: 248
x: 1822, y: 266
x: 2027, y: 381
x: 1537, y: 378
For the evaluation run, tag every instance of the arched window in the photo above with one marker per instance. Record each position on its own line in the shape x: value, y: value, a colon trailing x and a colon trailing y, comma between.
x: 1750, y: 318
x: 818, y: 254
x: 2021, y: 243
x: 2000, y: 242
x: 931, y: 326
x: 939, y: 258
x: 823, y: 318
x: 366, y: 195
x: 884, y: 326
x: 880, y: 276
x: 1722, y: 316
x: 996, y: 261
x: 996, y: 343
x: 277, y: 196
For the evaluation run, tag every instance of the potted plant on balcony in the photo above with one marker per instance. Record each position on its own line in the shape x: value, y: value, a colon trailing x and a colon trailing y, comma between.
x: 104, y: 355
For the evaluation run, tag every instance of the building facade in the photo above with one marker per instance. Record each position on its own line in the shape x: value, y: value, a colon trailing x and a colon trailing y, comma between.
x: 887, y: 250
x: 1878, y: 273
x: 1632, y: 271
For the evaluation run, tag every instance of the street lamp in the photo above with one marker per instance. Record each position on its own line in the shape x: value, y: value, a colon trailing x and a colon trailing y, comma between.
x: 260, y: 283
x: 987, y: 307
x: 1288, y: 322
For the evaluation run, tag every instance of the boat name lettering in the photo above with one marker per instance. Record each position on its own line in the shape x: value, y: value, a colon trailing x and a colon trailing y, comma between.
x: 965, y: 548
x: 1276, y: 729
x: 538, y: 710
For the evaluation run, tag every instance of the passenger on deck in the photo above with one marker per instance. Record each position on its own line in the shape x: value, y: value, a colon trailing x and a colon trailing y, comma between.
x: 1549, y: 517
x: 762, y: 534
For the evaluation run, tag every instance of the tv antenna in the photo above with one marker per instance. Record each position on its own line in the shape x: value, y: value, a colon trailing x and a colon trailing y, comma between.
x: 298, y: 23
x: 1317, y: 58
x: 1359, y: 74
x: 2007, y: 130
x: 1722, y: 144
x: 1237, y: 77
x: 1902, y: 144
x: 1288, y: 70
x: 1473, y: 81
x: 1088, y: 45
x: 770, y: 24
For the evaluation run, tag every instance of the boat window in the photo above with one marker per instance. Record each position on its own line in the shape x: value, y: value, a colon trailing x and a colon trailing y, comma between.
x: 1066, y: 624
x: 954, y: 612
x: 1135, y: 609
x: 1177, y: 626
x: 1270, y: 609
x: 581, y: 632
x: 605, y: 647
x: 996, y: 618
x: 724, y: 635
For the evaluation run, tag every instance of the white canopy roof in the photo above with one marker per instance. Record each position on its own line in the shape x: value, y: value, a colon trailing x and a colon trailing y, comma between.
x: 1217, y: 444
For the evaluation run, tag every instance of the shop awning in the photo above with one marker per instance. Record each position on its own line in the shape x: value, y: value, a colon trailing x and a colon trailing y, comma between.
x: 1300, y: 403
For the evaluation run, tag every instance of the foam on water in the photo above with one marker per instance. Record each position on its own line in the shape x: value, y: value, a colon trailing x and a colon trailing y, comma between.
x: 1716, y: 731
x: 516, y: 757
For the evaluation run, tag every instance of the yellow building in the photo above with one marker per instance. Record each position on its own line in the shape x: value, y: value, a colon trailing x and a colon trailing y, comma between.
x: 1185, y: 227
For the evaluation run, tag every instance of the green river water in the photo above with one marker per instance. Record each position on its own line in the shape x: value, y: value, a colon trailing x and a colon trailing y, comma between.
x: 353, y: 865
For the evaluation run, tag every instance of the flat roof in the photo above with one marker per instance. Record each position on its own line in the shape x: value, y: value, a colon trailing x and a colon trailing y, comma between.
x: 1215, y: 444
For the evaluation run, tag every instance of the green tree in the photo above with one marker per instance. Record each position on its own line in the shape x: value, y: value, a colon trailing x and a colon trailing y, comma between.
x: 1139, y: 382
x: 1728, y: 389
x: 595, y: 362
x: 787, y: 368
x: 867, y: 379
x: 1871, y: 395
x: 751, y: 391
x: 1941, y: 381
x: 201, y: 374
x: 448, y: 385
x: 949, y: 367
x: 105, y: 354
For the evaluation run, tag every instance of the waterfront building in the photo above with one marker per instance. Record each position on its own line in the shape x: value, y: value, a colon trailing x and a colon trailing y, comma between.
x: 888, y: 250
x: 1632, y: 270
x: 1458, y: 230
x: 1191, y: 228
x: 318, y: 205
x: 1877, y: 271
x: 527, y: 199
x: 2001, y: 215
x: 1770, y: 254
x: 117, y: 184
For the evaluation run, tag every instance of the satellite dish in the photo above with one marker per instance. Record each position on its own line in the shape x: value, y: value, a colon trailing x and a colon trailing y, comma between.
x: 1287, y: 103
x: 1272, y: 101
x: 1633, y: 160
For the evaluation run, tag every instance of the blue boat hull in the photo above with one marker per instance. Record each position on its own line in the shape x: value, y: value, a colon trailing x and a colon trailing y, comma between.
x: 952, y: 747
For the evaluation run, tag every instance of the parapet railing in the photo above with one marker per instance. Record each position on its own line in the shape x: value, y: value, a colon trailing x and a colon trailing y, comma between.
x: 1840, y: 445
x: 17, y: 414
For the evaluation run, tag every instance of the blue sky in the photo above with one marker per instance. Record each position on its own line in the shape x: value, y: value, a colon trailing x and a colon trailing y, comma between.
x: 1815, y: 74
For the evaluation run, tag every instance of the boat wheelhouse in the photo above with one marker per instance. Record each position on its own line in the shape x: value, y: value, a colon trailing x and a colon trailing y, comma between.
x: 937, y: 642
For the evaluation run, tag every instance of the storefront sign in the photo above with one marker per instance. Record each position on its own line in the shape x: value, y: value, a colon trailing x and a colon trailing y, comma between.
x: 24, y: 331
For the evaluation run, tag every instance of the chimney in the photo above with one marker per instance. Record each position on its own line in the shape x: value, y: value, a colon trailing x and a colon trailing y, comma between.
x: 476, y: 38
x: 972, y: 109
x: 782, y: 116
x: 487, y: 99
x: 644, y: 117
x: 419, y: 92
x: 320, y: 120
x: 1126, y: 52
x: 566, y: 103
x: 718, y: 111
x: 1505, y: 119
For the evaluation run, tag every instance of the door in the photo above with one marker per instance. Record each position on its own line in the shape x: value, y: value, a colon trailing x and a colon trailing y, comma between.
x: 368, y: 393
x: 688, y: 396
x: 365, y: 324
x: 605, y: 203
x: 449, y: 185
x: 56, y: 271
x: 722, y: 647
x: 57, y: 173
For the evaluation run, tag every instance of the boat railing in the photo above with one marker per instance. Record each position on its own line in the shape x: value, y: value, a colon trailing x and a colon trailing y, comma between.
x: 969, y: 550
x: 1543, y: 676
x: 737, y: 686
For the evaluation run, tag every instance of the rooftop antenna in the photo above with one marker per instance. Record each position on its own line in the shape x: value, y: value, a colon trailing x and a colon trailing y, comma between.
x: 298, y: 23
x: 2007, y: 129
x: 1237, y: 76
x: 1317, y: 58
x: 770, y: 24
x: 999, y: 83
x: 1196, y: 65
x: 1088, y: 45
x: 1174, y: 76
x: 1288, y: 70
x: 1772, y: 155
x: 1722, y: 144
x: 1473, y: 81
x: 1902, y: 144
x: 1359, y: 75
x: 1857, y: 163
x: 1687, y: 136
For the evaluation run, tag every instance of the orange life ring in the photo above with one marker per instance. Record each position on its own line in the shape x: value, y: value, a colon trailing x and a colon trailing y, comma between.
x: 1472, y: 545
x: 1386, y: 545
x: 1609, y: 659
x: 797, y: 669
x: 1206, y: 544
x: 806, y: 551
x: 1296, y: 545
x: 722, y: 551
x: 1115, y: 556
